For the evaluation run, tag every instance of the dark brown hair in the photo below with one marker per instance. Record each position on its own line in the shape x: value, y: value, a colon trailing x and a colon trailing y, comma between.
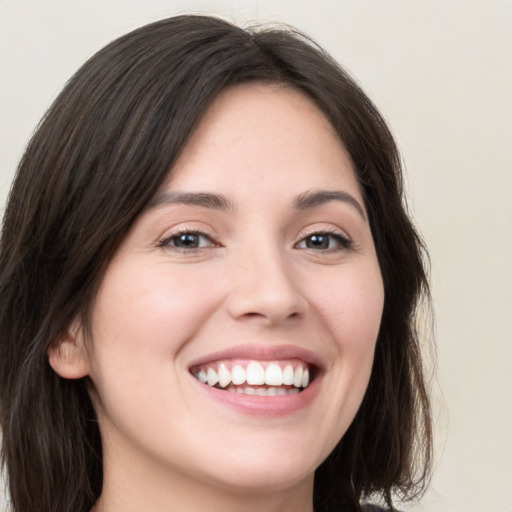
x: 96, y: 160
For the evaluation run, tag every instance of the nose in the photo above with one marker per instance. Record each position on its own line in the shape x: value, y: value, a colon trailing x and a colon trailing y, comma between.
x: 266, y: 289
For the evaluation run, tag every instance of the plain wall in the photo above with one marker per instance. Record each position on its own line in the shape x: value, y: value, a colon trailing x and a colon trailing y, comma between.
x: 441, y: 73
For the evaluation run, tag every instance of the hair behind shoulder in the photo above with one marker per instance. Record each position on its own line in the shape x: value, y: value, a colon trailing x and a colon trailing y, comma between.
x: 98, y: 157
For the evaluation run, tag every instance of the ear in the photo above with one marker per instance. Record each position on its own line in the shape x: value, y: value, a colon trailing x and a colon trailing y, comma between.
x: 67, y: 355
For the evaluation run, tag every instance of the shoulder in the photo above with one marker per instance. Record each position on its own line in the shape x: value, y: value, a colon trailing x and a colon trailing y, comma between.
x: 374, y: 508
x: 366, y: 507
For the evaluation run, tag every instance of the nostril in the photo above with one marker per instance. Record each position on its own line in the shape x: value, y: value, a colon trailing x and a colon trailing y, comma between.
x: 271, y: 317
x: 266, y: 296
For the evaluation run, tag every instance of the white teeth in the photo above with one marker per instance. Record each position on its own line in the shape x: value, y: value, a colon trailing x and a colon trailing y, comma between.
x: 268, y: 391
x: 201, y: 375
x: 237, y: 374
x: 272, y: 391
x: 273, y: 375
x: 224, y: 376
x: 255, y: 374
x: 297, y: 380
x: 288, y: 375
x: 212, y: 377
x: 305, y: 378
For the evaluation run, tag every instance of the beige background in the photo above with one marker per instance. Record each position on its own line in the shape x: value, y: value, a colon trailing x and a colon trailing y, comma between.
x: 441, y: 72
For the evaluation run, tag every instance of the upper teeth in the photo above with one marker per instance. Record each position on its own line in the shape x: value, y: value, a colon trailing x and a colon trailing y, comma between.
x: 254, y: 373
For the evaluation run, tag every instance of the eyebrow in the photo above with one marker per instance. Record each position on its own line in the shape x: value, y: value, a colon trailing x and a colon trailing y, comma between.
x: 213, y: 201
x: 204, y: 199
x: 313, y: 199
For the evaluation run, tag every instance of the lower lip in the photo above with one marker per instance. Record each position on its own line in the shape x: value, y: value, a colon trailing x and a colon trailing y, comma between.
x: 280, y: 405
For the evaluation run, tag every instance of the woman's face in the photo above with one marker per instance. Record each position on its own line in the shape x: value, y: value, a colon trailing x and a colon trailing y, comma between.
x: 252, y: 266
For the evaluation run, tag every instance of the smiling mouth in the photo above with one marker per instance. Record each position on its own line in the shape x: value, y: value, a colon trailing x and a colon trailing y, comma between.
x: 251, y: 377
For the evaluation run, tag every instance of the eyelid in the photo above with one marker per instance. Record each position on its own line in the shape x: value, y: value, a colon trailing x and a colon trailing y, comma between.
x: 166, y: 239
x: 343, y: 239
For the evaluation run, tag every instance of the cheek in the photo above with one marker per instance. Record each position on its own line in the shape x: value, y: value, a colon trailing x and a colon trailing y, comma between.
x: 155, y: 311
x: 351, y: 305
x: 142, y: 319
x: 348, y: 305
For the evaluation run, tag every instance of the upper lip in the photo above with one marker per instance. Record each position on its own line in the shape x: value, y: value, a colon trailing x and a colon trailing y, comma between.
x: 261, y: 353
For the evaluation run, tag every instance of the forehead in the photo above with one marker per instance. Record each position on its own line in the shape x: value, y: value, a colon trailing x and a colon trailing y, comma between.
x: 255, y: 134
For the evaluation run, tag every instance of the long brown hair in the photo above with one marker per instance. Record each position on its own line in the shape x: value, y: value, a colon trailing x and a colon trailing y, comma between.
x: 96, y: 160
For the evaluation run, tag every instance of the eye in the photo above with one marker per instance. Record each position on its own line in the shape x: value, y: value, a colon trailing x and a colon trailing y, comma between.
x: 325, y: 241
x: 187, y: 240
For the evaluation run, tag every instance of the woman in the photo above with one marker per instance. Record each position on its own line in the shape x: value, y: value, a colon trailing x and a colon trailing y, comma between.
x: 209, y: 286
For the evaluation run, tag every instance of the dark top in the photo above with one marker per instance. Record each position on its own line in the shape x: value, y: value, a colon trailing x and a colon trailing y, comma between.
x: 374, y: 508
x: 367, y: 507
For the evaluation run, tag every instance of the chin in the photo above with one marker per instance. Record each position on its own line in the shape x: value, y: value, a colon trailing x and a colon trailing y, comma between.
x: 269, y: 464
x: 260, y: 477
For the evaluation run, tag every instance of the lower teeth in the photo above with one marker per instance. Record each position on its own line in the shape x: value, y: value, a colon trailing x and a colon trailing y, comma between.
x: 262, y: 391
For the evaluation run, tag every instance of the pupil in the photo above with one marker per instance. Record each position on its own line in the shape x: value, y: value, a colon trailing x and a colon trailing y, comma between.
x: 187, y: 240
x: 318, y: 242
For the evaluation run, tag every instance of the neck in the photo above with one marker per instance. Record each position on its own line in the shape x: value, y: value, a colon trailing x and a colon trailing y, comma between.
x: 131, y: 487
x: 196, y: 498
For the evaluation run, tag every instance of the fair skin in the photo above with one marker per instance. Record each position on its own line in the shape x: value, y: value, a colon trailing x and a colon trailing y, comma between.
x: 255, y: 252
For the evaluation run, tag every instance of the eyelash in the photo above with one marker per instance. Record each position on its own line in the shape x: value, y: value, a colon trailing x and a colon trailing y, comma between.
x: 343, y: 242
x: 166, y: 242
